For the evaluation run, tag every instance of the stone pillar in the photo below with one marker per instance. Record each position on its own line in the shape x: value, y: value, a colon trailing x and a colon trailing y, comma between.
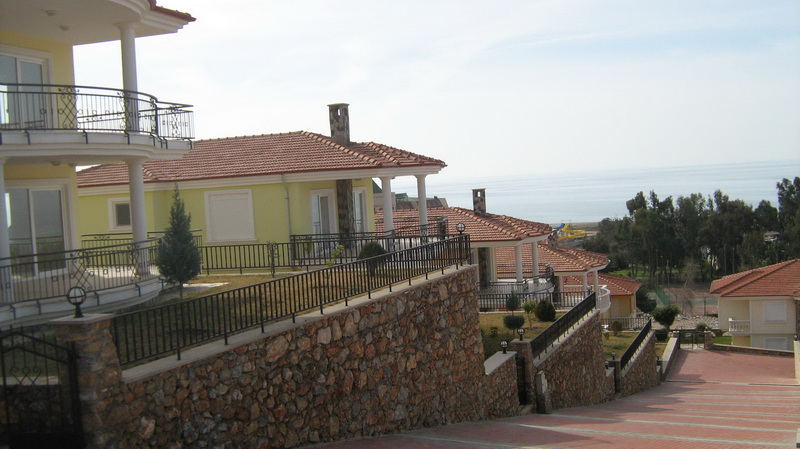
x: 388, y: 204
x: 523, y: 350
x: 99, y: 374
x: 344, y: 208
x: 422, y: 200
x: 616, y: 365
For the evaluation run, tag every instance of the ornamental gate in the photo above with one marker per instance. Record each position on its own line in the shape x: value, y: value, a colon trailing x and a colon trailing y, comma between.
x: 39, y: 395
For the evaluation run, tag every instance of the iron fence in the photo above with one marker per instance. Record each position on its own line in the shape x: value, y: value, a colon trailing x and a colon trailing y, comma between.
x: 51, y: 275
x: 635, y: 344
x: 494, y: 296
x: 170, y: 328
x: 562, y: 325
x: 89, y: 241
x: 27, y: 107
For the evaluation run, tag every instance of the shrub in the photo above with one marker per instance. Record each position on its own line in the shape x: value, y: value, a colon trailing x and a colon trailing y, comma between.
x: 530, y: 309
x: 644, y: 302
x: 370, y: 250
x: 666, y: 315
x: 662, y: 334
x: 616, y: 328
x: 513, y: 322
x: 545, y: 311
x: 512, y: 303
x: 178, y: 259
x: 702, y: 327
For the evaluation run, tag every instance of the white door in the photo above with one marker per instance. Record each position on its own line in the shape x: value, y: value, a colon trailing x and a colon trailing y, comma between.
x: 36, y: 226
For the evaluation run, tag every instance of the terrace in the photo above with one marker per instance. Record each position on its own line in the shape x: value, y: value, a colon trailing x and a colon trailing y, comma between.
x: 50, y: 113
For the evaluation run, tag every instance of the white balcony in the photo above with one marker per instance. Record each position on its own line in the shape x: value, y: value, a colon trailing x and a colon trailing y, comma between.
x: 738, y: 327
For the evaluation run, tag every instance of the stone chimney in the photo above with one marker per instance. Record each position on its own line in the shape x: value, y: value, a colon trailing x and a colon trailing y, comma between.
x: 479, y: 202
x: 340, y: 123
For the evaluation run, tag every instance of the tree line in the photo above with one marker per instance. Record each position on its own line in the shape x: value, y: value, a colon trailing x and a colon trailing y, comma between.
x: 698, y: 238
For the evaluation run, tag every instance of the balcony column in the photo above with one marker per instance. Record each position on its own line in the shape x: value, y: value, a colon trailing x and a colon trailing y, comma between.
x: 127, y: 37
x: 136, y: 186
x: 422, y: 200
x: 596, y: 281
x: 5, y: 246
x: 518, y: 260
x: 585, y: 281
x: 535, y: 259
x: 388, y: 204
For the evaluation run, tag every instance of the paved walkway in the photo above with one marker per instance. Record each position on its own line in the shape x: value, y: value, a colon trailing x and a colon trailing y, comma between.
x: 711, y: 400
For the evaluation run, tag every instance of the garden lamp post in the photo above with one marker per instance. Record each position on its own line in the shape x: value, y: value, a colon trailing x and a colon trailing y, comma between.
x: 521, y: 332
x: 460, y: 228
x: 76, y: 296
x: 504, y: 345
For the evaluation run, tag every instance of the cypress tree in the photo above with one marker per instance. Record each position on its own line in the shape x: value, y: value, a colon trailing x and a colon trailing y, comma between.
x: 179, y: 258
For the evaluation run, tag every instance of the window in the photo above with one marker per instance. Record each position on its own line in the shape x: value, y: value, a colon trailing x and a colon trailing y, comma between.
x: 360, y: 209
x: 775, y: 311
x: 779, y: 343
x: 24, y: 106
x: 322, y: 212
x: 229, y: 216
x: 119, y: 214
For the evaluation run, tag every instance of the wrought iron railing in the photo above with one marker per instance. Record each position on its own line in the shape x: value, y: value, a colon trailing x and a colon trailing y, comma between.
x: 635, y: 344
x: 28, y: 107
x: 51, y: 275
x: 562, y: 325
x: 117, y: 238
x: 627, y: 322
x: 170, y: 328
x: 494, y: 296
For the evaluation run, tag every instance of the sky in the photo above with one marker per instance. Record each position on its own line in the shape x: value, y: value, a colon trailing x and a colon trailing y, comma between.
x: 493, y: 88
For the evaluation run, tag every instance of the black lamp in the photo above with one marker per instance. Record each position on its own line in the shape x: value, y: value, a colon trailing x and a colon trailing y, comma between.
x: 504, y: 345
x: 76, y: 296
x: 521, y: 332
x: 460, y: 228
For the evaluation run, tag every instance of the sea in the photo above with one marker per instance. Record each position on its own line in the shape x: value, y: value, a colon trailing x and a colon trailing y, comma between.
x: 588, y: 197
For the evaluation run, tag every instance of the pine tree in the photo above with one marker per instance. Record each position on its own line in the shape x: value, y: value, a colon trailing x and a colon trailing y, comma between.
x: 178, y: 256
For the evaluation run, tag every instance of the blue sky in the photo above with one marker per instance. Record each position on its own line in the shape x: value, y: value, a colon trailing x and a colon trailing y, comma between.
x: 493, y: 88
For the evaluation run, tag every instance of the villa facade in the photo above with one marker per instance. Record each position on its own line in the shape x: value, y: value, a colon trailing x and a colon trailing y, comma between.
x: 759, y: 307
x: 49, y: 125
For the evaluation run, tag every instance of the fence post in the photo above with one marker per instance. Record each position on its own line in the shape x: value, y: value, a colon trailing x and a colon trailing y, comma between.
x: 99, y: 374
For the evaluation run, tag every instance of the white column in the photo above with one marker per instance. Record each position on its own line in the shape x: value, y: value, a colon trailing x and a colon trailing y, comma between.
x: 5, y: 247
x: 518, y: 257
x: 388, y: 204
x: 136, y: 188
x: 535, y: 258
x: 422, y: 197
x: 596, y: 282
x: 127, y: 36
x: 585, y: 281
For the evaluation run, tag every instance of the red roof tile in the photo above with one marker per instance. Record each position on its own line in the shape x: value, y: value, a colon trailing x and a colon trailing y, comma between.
x: 560, y: 259
x: 782, y: 279
x: 485, y: 228
x: 617, y: 285
x: 268, y: 154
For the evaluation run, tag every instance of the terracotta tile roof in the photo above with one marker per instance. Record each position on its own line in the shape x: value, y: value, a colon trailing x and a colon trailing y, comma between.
x: 485, y: 228
x: 782, y: 279
x: 268, y: 154
x: 617, y: 285
x: 560, y: 259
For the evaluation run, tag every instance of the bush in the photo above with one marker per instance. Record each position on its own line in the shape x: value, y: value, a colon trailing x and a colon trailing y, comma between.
x: 513, y: 322
x: 662, y: 335
x: 530, y: 309
x: 616, y: 328
x: 368, y: 251
x: 665, y: 316
x: 512, y: 303
x: 545, y: 311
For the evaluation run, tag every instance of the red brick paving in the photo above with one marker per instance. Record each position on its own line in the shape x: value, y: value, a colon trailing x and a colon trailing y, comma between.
x: 712, y: 400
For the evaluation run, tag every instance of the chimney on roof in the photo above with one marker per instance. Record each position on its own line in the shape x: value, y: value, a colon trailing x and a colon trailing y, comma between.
x: 340, y: 123
x: 479, y: 202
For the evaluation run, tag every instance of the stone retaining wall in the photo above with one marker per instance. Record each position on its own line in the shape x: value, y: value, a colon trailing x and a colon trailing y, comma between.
x: 407, y: 360
x: 575, y: 369
x: 642, y: 371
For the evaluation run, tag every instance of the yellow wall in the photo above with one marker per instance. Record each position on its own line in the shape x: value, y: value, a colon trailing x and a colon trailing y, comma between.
x: 269, y: 208
x: 758, y: 325
x: 732, y: 308
x: 62, y: 67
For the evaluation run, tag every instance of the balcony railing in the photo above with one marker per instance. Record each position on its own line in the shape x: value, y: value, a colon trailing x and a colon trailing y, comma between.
x: 739, y: 326
x: 116, y: 238
x: 51, y: 275
x: 562, y: 325
x: 52, y: 107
